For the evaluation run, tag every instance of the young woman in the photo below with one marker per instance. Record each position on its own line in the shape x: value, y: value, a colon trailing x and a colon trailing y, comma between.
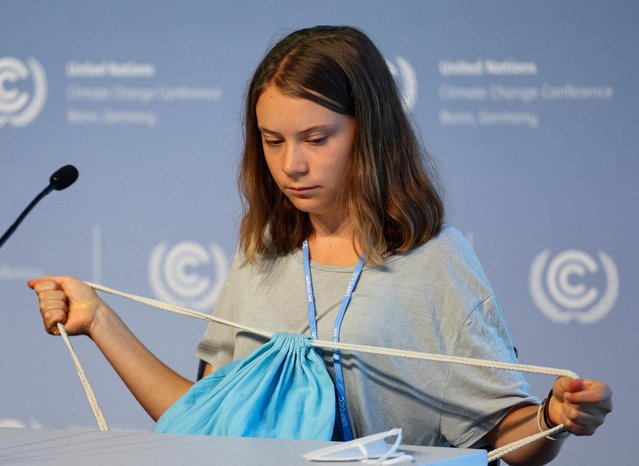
x: 334, y: 179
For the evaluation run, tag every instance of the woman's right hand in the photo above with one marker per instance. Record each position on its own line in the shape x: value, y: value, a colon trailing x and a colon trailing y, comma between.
x: 72, y: 302
x: 69, y: 301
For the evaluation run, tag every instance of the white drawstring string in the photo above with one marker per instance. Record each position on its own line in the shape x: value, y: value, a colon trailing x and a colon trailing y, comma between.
x: 493, y: 455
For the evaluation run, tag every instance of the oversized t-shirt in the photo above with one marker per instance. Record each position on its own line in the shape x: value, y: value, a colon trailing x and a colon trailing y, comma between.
x: 435, y: 299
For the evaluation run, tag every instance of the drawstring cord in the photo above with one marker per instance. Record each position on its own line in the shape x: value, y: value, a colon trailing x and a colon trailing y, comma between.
x: 493, y: 455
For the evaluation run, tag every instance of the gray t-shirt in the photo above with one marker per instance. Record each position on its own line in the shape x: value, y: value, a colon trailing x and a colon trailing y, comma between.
x: 434, y: 299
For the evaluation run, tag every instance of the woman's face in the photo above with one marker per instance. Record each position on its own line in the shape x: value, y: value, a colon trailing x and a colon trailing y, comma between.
x: 307, y: 147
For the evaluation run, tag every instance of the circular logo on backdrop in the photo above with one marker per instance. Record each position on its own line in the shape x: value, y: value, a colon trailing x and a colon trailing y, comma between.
x: 574, y: 285
x: 187, y: 273
x: 406, y: 79
x: 23, y: 91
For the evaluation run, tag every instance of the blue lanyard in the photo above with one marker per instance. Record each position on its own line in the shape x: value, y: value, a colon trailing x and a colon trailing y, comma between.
x: 312, y: 323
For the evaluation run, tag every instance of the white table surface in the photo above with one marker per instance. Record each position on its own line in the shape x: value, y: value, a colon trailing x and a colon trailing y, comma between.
x: 93, y: 448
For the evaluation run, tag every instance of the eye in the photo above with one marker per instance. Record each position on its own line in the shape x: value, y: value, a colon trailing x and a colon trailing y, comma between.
x: 317, y: 141
x: 272, y: 142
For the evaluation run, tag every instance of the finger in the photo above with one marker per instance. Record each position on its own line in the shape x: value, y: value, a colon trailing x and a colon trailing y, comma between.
x: 53, y: 300
x: 53, y: 308
x: 564, y: 385
x: 54, y: 305
x: 52, y: 314
x: 594, y: 392
x: 581, y: 422
x: 574, y: 385
x: 34, y: 281
x: 45, y: 285
x: 52, y: 295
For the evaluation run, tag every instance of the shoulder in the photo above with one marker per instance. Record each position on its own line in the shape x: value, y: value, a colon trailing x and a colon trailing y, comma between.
x: 445, y: 265
x: 449, y: 241
x: 448, y: 250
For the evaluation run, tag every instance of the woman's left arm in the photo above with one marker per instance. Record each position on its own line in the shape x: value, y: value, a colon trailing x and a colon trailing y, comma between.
x: 580, y: 405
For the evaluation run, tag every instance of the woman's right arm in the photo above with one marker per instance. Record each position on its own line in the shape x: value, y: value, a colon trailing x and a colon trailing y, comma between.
x: 76, y: 305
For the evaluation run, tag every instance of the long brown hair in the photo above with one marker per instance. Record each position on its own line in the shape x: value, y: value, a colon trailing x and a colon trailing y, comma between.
x: 389, y: 190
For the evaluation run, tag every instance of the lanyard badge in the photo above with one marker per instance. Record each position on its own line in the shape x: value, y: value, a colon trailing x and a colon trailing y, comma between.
x: 312, y: 323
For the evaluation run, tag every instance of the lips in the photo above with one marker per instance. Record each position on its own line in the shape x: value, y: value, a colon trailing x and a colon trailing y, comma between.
x: 301, y: 189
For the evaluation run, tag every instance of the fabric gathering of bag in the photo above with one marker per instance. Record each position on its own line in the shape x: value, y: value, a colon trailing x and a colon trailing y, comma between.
x: 271, y: 394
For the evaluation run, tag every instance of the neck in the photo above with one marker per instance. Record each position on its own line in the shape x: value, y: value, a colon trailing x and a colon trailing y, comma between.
x: 333, y: 242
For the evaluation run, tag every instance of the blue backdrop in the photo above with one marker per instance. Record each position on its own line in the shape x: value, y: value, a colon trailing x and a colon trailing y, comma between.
x: 529, y: 108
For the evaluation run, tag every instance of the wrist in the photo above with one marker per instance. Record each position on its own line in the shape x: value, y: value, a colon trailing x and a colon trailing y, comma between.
x: 100, y: 322
x: 550, y: 424
x: 545, y: 422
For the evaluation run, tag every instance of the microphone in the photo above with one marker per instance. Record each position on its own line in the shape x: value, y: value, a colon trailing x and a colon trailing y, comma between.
x: 61, y: 179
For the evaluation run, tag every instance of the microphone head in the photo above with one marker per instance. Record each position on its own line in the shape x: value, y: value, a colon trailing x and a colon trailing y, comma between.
x: 64, y: 177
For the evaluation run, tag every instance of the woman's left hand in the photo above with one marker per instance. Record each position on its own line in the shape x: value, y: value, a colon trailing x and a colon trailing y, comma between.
x: 580, y: 405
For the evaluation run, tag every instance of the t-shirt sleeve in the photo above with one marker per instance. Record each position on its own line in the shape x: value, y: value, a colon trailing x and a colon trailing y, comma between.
x: 477, y: 398
x: 217, y: 344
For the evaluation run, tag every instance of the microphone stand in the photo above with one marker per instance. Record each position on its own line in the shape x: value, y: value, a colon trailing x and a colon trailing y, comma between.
x: 61, y: 179
x: 24, y: 213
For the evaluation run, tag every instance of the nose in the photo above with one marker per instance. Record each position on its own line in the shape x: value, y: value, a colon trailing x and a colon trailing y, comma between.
x: 294, y: 163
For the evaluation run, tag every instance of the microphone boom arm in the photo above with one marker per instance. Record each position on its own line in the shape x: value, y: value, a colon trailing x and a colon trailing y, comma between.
x: 61, y: 179
x: 24, y: 213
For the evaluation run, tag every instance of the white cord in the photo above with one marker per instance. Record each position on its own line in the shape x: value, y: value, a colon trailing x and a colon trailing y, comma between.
x: 493, y: 455
x: 179, y: 310
x: 93, y: 402
x: 517, y: 444
x: 443, y: 358
x: 343, y: 346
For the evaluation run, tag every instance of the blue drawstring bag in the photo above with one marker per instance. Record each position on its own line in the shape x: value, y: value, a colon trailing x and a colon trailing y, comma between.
x: 282, y: 390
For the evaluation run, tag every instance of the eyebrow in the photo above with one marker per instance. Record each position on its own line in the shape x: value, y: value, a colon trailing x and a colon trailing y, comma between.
x: 327, y: 127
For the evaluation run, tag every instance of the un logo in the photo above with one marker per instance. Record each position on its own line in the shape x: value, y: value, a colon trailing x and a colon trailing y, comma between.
x: 23, y: 91
x: 187, y: 273
x: 571, y: 286
x: 406, y: 79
